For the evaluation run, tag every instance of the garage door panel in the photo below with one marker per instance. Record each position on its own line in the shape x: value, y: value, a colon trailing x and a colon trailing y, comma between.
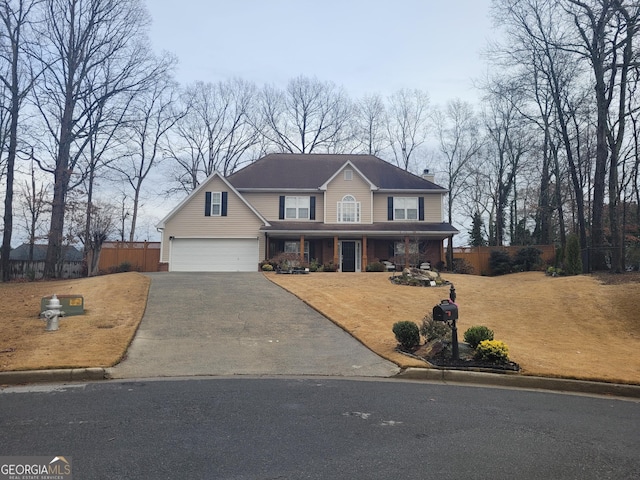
x: 214, y: 255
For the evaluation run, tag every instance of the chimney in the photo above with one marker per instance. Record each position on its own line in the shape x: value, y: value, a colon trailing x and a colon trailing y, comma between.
x: 428, y: 176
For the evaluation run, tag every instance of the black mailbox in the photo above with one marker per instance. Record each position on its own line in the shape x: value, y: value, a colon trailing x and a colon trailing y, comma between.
x: 446, y: 311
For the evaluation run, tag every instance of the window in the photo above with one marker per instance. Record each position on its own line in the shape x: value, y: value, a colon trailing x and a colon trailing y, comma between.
x: 348, y: 210
x: 296, y: 208
x: 405, y: 208
x: 216, y: 204
x: 348, y: 175
x: 294, y: 247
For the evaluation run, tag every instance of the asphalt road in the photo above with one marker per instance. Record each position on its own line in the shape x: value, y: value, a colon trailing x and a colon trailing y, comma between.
x: 239, y: 324
x: 319, y: 428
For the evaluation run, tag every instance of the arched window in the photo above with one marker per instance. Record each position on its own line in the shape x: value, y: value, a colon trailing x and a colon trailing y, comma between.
x: 349, y: 210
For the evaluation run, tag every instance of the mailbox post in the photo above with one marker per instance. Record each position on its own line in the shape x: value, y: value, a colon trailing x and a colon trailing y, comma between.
x: 447, y: 312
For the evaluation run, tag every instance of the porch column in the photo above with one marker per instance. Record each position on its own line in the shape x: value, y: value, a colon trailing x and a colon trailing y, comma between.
x: 406, y: 252
x: 335, y: 251
x: 302, y: 249
x: 364, y: 253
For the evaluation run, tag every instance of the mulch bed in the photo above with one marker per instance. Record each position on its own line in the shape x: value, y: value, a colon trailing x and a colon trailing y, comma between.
x: 439, y: 358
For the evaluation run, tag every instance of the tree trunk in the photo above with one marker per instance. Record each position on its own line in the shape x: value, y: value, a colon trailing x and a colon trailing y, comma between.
x: 61, y: 183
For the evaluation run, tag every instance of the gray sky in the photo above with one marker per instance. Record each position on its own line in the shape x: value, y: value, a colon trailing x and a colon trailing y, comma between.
x: 367, y: 46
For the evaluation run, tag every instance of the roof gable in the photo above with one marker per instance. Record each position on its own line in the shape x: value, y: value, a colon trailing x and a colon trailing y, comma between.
x: 202, y: 186
x: 342, y: 169
x: 288, y: 171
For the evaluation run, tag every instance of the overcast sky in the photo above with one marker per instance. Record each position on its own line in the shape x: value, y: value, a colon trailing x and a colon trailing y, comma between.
x: 367, y: 46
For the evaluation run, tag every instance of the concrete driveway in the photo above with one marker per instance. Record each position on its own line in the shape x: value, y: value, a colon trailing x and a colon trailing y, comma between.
x: 239, y: 324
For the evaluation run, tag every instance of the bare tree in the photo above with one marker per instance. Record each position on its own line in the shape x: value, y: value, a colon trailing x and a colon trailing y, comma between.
x: 308, y: 117
x: 507, y: 144
x: 16, y: 78
x: 459, y: 138
x: 88, y: 46
x: 606, y: 31
x: 407, y: 124
x: 371, y: 135
x: 460, y: 142
x: 102, y: 218
x: 152, y: 114
x: 217, y: 133
x: 34, y: 204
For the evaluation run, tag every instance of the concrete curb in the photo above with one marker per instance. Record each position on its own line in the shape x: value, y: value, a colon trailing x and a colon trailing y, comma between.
x: 521, y: 381
x: 52, y: 376
x: 507, y: 380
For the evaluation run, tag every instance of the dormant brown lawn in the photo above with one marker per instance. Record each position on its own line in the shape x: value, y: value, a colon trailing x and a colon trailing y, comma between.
x: 114, y: 305
x: 572, y: 327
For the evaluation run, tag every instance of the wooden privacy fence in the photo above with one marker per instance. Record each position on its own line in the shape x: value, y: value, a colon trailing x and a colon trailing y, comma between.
x: 141, y: 256
x: 478, y: 257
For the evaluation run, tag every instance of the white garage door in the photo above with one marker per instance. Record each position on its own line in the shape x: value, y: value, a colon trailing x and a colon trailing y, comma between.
x: 214, y: 255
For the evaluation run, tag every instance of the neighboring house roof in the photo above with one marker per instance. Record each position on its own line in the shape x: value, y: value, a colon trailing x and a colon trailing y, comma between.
x: 21, y: 253
x: 288, y: 171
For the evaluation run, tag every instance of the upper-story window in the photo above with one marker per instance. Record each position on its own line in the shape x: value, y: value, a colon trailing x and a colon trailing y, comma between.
x: 349, y: 210
x: 216, y: 204
x: 348, y: 175
x: 405, y: 208
x: 296, y: 208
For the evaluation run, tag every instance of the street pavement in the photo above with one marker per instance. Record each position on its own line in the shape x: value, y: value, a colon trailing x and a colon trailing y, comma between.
x: 239, y: 324
x: 320, y: 428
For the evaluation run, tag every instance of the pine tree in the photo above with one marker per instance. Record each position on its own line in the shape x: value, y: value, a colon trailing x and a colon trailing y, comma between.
x: 476, y: 237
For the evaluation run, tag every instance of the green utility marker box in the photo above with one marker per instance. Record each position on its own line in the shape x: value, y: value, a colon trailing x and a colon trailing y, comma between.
x: 71, y: 304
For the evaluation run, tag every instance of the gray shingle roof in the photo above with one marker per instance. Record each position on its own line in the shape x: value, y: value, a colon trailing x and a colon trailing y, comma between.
x: 21, y: 253
x: 310, y: 171
x: 380, y: 227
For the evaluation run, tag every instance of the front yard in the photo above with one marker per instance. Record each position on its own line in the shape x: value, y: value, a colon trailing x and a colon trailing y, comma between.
x: 572, y: 327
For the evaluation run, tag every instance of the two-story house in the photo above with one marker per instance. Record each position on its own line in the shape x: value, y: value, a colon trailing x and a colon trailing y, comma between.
x: 346, y: 209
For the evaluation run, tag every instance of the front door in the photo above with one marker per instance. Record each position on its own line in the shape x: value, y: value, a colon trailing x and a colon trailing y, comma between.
x: 348, y: 256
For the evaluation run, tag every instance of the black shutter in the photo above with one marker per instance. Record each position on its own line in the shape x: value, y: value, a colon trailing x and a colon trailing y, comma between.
x: 421, y: 208
x: 389, y: 208
x: 224, y: 204
x: 207, y: 204
x: 281, y: 212
x: 312, y: 208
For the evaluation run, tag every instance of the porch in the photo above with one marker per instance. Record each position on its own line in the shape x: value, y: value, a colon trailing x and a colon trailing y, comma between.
x: 350, y: 251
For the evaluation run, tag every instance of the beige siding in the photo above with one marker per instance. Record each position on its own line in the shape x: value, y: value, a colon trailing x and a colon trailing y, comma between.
x: 432, y: 206
x: 190, y: 221
x: 268, y: 204
x: 339, y: 187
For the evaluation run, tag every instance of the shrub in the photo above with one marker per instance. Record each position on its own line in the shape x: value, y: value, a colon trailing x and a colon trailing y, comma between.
x: 499, y: 262
x: 267, y: 267
x: 554, y: 272
x: 474, y: 335
x: 376, y: 267
x: 329, y: 267
x: 407, y: 334
x: 492, y: 351
x: 432, y: 330
x: 124, y: 267
x: 460, y: 265
x: 572, y: 256
x: 527, y: 259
